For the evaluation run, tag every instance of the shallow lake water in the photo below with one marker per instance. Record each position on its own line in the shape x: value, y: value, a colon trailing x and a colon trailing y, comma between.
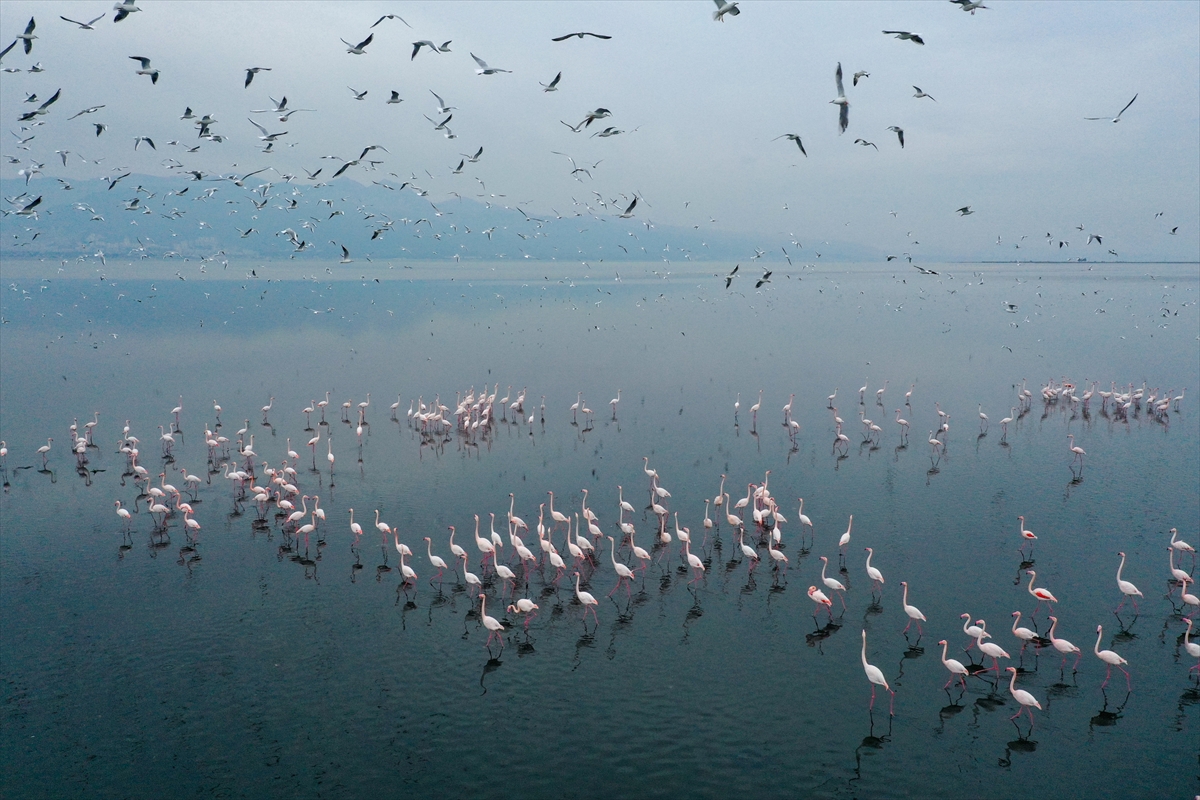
x: 244, y: 660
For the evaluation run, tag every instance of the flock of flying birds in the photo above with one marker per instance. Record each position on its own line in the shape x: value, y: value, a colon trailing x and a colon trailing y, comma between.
x: 28, y: 206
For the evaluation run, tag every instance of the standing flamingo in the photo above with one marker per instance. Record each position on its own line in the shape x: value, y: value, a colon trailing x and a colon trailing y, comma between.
x: 874, y: 574
x: 821, y: 599
x: 832, y: 583
x: 1064, y: 647
x: 1042, y: 595
x: 956, y: 668
x: 1024, y: 634
x: 875, y: 676
x: 991, y: 649
x: 491, y: 623
x: 1127, y: 589
x: 693, y: 561
x: 1110, y: 658
x: 1192, y: 648
x: 1028, y: 701
x: 1078, y: 451
x: 124, y: 514
x: 845, y: 540
x: 1027, y: 535
x: 754, y: 408
x: 436, y: 561
x: 586, y: 600
x: 914, y: 613
x: 623, y: 572
x: 524, y: 606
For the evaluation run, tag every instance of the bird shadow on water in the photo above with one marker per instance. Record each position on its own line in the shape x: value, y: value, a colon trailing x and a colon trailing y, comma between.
x: 491, y: 665
x: 1106, y: 718
x: 870, y: 743
x: 1022, y: 744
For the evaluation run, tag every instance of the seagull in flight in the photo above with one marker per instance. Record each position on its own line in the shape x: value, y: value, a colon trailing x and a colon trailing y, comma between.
x: 865, y: 143
x: 442, y: 107
x: 552, y: 86
x: 629, y: 210
x: 266, y: 137
x: 360, y: 48
x: 920, y: 93
x: 844, y: 111
x: 906, y: 35
x: 969, y: 5
x: 862, y: 73
x: 357, y: 94
x: 484, y: 69
x: 40, y: 110
x: 391, y: 16
x: 395, y: 98
x: 251, y: 72
x: 724, y: 8
x: 964, y: 211
x: 445, y: 48
x: 729, y: 277
x: 124, y: 9
x: 899, y: 132
x: 28, y: 36
x: 146, y: 68
x: 794, y: 137
x: 580, y: 35
x: 1117, y: 118
x: 766, y: 278
x: 1094, y: 237
x: 475, y: 158
x: 86, y: 26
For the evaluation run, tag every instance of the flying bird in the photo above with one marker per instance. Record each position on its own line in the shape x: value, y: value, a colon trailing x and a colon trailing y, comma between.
x: 629, y: 210
x: 968, y: 5
x: 391, y: 16
x: 920, y: 93
x: 724, y: 8
x: 552, y: 86
x: 87, y: 26
x: 862, y: 73
x: 252, y: 71
x: 964, y: 211
x: 766, y: 278
x: 360, y: 48
x: 899, y: 132
x: 40, y: 110
x: 484, y: 69
x: 146, y: 68
x: 1094, y: 237
x: 357, y: 94
x: 395, y: 98
x: 137, y: 140
x: 124, y: 9
x: 865, y: 143
x: 475, y: 158
x: 580, y: 35
x: 729, y: 277
x: 445, y: 48
x: 266, y: 137
x: 844, y: 110
x: 906, y: 35
x: 794, y: 137
x: 1117, y: 118
x: 28, y: 36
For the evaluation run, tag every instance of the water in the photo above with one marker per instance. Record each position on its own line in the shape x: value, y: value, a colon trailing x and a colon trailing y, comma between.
x: 242, y: 665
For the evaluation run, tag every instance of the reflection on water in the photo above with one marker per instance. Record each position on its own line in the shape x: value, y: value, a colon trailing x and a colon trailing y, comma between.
x: 259, y: 636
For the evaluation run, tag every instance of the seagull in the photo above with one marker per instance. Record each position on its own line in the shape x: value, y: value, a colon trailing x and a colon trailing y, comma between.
x: 1117, y: 118
x: 40, y: 110
x: 87, y: 26
x: 266, y: 137
x: 899, y: 132
x: 445, y: 48
x: 862, y: 73
x: 137, y: 140
x: 100, y: 127
x: 552, y: 86
x: 1174, y: 230
x: 439, y: 126
x: 252, y: 71
x: 1094, y: 237
x: 358, y: 49
x: 187, y: 113
x: 391, y: 16
x: 484, y: 69
x: 906, y: 35
x: 146, y: 68
x: 28, y: 210
x: 442, y: 107
x: 124, y: 9
x: 395, y: 98
x: 592, y: 116
x: 475, y: 158
x: 792, y: 137
x: 865, y: 143
x: 921, y: 93
x: 28, y: 36
x: 580, y: 34
x: 766, y: 278
x: 729, y: 277
x: 968, y: 5
x: 607, y: 132
x: 964, y: 211
x: 346, y: 259
x: 1010, y: 307
x: 724, y: 8
x: 91, y: 110
x: 629, y: 210
x: 357, y: 94
x: 844, y: 111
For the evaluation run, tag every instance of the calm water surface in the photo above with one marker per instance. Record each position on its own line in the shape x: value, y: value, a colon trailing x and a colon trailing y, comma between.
x: 244, y: 663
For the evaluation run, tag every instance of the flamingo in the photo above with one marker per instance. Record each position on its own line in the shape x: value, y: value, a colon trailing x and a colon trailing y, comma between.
x: 1078, y: 451
x: 1127, y: 588
x: 514, y: 520
x: 831, y: 398
x: 983, y: 419
x: 623, y: 572
x: 491, y: 623
x: 410, y: 575
x: 1027, y: 535
x: 776, y: 555
x: 1179, y: 575
x: 436, y: 561
x: 124, y: 514
x: 874, y: 574
x: 1064, y: 647
x: 719, y: 500
x: 991, y: 649
x: 693, y: 561
x: 1042, y: 595
x: 974, y: 631
x: 879, y: 392
x: 1110, y: 658
x: 754, y: 408
x: 1028, y: 701
x: 485, y: 545
x: 44, y: 450
x: 355, y: 528
x: 1024, y: 634
x: 296, y: 516
x: 1192, y: 648
x: 1189, y: 599
x: 1182, y: 546
x: 585, y: 599
x: 820, y: 598
x: 524, y: 606
x: 845, y: 540
x: 329, y: 454
x: 383, y: 527
x: 914, y: 613
x: 470, y: 577
x: 832, y: 583
x: 456, y: 550
x: 903, y: 423
x: 804, y: 520
x: 747, y: 550
x: 875, y: 676
x: 956, y: 667
x: 733, y: 519
x: 614, y: 402
x: 1012, y: 413
x: 557, y: 516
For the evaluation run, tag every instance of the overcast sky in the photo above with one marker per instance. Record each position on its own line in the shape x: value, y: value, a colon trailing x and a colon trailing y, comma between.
x: 698, y: 102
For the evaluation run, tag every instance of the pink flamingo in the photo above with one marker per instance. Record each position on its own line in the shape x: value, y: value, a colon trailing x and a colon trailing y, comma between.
x: 1064, y: 647
x: 875, y: 676
x: 1127, y: 589
x: 586, y: 600
x: 491, y: 623
x: 820, y: 598
x: 956, y: 668
x: 1042, y: 595
x: 1026, y: 535
x: 1110, y: 658
x: 1028, y: 701
x: 832, y: 583
x: 914, y: 613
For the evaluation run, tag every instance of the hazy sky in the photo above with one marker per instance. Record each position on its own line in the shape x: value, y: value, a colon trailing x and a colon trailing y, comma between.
x: 699, y: 103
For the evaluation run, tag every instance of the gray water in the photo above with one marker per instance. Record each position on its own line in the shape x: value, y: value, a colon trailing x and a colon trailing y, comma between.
x: 246, y: 662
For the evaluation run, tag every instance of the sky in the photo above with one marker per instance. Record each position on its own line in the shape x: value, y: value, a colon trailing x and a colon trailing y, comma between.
x: 699, y: 104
